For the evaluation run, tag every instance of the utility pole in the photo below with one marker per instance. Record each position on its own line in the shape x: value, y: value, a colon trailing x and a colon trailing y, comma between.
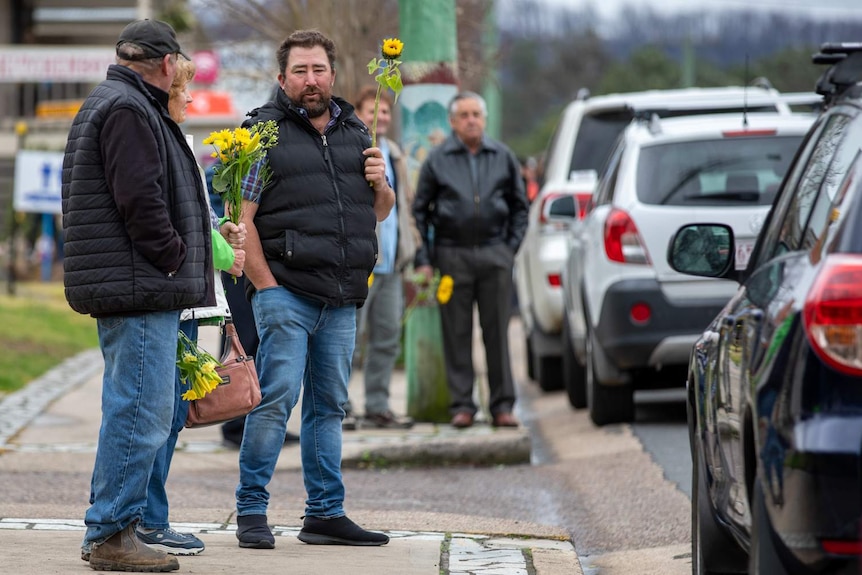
x: 430, y: 75
x: 491, y: 89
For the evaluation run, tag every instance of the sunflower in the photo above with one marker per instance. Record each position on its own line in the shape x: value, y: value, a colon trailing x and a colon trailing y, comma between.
x: 444, y: 290
x: 392, y: 48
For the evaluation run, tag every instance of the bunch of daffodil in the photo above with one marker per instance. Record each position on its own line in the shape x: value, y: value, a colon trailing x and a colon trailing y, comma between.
x: 237, y: 151
x: 388, y: 76
x: 197, y: 368
x: 438, y: 290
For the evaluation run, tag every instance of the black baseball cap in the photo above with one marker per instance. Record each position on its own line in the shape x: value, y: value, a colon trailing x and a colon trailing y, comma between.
x: 157, y: 38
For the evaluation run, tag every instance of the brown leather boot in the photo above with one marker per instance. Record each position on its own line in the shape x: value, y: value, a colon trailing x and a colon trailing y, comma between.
x: 123, y: 551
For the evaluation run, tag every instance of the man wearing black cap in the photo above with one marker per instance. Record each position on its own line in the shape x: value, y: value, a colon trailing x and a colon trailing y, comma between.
x: 138, y: 252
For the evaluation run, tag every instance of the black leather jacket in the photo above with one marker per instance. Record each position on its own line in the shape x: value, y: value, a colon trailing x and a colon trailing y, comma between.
x: 464, y: 214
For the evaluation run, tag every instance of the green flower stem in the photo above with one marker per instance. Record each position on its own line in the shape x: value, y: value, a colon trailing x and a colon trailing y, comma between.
x: 374, y: 122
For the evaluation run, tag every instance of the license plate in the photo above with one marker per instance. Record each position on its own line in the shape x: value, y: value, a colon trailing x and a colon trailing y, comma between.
x: 743, y: 253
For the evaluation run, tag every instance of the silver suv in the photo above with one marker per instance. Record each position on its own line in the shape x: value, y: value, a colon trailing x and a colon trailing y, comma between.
x: 630, y: 319
x: 579, y: 148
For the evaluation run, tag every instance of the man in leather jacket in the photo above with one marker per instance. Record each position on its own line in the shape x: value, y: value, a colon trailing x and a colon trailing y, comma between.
x: 471, y: 194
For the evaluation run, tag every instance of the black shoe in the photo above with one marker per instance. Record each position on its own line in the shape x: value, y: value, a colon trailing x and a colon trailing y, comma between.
x: 253, y: 532
x: 349, y: 423
x: 338, y: 531
x: 386, y: 420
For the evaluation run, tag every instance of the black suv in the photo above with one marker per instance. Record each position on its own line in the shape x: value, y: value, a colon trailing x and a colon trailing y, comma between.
x: 775, y: 382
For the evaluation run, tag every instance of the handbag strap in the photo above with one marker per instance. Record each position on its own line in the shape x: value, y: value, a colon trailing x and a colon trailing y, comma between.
x: 232, y: 349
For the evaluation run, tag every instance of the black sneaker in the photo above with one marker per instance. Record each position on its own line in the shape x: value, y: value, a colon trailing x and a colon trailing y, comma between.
x: 253, y: 532
x: 349, y: 423
x: 338, y: 531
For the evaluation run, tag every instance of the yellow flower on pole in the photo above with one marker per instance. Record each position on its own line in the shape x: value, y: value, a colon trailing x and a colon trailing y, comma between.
x: 444, y: 290
x: 387, y: 76
x: 437, y: 290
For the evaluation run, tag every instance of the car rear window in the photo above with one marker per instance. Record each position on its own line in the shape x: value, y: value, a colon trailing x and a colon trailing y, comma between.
x: 715, y: 172
x: 597, y: 135
x: 599, y: 131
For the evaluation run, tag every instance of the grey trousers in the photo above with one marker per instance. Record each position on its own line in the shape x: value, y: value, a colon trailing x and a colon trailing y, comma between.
x: 380, y: 320
x: 482, y: 275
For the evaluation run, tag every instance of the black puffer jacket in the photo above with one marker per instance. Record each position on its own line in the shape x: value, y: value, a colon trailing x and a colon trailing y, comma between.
x: 316, y: 217
x: 105, y: 273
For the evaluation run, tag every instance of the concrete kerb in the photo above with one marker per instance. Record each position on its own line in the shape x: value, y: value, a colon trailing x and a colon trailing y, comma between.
x: 19, y: 409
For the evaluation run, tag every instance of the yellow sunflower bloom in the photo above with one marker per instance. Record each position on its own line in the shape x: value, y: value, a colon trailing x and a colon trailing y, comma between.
x: 444, y: 290
x: 392, y: 48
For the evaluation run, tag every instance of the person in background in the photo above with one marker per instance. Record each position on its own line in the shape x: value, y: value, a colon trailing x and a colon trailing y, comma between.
x: 227, y: 239
x: 471, y: 192
x: 137, y: 252
x: 311, y: 247
x: 397, y: 237
x: 528, y: 172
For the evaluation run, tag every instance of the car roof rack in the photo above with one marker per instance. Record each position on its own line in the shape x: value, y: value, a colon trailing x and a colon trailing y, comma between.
x: 845, y: 68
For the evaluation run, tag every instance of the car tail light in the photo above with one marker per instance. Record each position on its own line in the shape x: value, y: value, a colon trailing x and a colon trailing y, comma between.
x: 833, y: 313
x: 838, y: 547
x: 555, y: 280
x: 622, y: 241
x: 640, y: 313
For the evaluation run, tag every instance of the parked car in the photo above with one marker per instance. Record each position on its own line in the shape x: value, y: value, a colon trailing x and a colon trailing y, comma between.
x: 579, y: 148
x: 775, y: 380
x: 630, y: 319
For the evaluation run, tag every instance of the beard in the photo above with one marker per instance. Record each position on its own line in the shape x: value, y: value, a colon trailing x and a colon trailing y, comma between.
x: 315, y: 108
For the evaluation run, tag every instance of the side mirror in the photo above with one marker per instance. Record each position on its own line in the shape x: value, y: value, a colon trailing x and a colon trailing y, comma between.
x: 705, y: 250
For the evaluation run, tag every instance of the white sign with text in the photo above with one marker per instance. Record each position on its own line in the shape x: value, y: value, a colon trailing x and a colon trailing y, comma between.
x: 38, y: 181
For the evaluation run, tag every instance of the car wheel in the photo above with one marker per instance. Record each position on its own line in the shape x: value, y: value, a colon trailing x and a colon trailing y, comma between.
x: 547, y: 369
x: 574, y: 374
x: 712, y: 550
x: 607, y: 403
x: 763, y: 557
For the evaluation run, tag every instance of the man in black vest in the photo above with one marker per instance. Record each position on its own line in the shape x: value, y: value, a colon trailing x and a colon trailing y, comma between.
x: 137, y: 253
x: 310, y: 249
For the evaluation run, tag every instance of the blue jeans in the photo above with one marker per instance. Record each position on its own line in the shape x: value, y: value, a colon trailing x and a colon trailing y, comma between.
x: 137, y: 410
x: 156, y: 512
x: 304, y: 346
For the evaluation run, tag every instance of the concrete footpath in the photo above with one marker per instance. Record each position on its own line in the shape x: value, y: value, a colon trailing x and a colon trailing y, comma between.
x: 48, y: 434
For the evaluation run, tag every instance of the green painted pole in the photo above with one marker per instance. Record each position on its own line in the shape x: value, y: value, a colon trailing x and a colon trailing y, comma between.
x: 429, y: 72
x: 491, y: 89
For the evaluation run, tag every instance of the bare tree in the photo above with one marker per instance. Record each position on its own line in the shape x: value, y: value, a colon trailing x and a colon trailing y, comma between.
x: 356, y: 26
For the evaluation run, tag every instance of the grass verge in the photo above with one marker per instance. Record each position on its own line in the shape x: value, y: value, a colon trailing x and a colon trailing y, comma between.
x: 40, y: 330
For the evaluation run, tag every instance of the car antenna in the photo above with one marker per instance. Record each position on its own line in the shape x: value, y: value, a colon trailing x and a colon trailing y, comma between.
x: 745, y: 96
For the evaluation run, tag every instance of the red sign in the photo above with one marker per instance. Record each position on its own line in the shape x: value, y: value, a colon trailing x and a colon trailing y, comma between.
x: 207, y: 65
x: 206, y: 103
